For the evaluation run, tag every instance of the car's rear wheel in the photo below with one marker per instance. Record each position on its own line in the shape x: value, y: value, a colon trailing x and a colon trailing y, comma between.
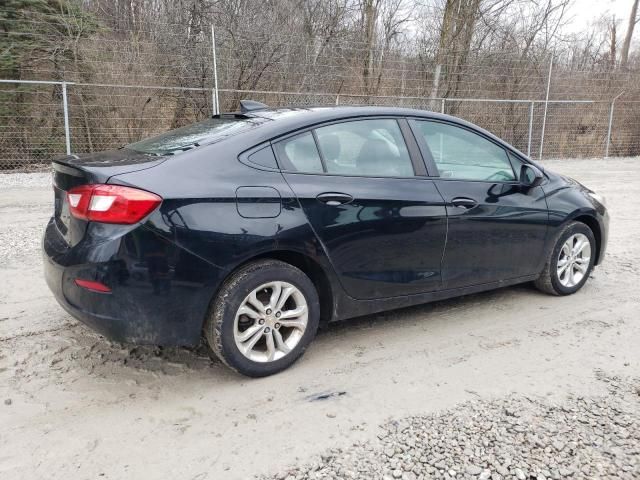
x: 571, y: 261
x: 263, y: 318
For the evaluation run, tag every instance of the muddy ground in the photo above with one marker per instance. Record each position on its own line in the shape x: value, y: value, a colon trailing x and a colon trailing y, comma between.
x: 73, y: 405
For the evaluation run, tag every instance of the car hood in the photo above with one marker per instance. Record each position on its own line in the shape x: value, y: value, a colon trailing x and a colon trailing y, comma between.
x: 572, y: 182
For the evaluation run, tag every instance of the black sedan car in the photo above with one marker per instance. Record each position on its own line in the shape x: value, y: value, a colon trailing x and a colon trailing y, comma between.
x: 252, y: 229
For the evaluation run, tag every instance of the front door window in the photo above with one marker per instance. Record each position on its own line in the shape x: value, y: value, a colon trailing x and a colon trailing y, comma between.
x: 463, y: 155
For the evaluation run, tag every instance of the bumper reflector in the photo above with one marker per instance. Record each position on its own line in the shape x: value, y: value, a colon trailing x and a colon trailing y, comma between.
x: 93, y: 286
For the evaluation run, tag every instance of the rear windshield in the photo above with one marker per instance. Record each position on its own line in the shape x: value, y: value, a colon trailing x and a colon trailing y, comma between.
x: 194, y: 135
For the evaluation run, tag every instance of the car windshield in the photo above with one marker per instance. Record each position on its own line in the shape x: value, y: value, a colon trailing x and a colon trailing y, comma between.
x: 194, y: 135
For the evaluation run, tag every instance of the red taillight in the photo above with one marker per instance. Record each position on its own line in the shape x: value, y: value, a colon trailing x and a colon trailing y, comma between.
x: 111, y: 203
x: 93, y: 286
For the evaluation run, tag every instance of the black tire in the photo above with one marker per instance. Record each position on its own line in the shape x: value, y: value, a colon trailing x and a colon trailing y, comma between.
x: 219, y: 326
x: 549, y: 281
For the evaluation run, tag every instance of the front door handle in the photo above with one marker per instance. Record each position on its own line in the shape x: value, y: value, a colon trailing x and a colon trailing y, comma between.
x: 334, y: 198
x: 464, y: 202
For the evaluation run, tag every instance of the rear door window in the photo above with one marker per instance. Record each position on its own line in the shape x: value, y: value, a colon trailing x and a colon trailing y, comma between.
x: 373, y: 148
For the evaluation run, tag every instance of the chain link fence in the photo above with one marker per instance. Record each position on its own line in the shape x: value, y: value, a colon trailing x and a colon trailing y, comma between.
x: 44, y: 120
x: 31, y: 125
x: 88, y: 83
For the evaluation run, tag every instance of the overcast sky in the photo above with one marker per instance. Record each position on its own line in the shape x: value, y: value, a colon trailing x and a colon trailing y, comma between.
x: 586, y: 11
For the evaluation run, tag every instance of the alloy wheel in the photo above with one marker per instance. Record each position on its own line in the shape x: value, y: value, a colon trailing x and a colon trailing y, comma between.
x: 270, y: 321
x: 574, y: 260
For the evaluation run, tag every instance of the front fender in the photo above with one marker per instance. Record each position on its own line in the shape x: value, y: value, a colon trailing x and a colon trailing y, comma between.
x: 570, y: 201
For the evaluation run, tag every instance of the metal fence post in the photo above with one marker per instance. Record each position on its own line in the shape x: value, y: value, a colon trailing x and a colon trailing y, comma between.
x: 442, y: 106
x: 613, y: 104
x: 546, y: 106
x: 530, y: 128
x: 435, y: 86
x: 338, y: 99
x: 65, y: 109
x: 214, y: 97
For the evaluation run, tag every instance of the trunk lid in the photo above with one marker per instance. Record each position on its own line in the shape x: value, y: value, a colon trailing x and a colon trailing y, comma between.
x: 73, y: 171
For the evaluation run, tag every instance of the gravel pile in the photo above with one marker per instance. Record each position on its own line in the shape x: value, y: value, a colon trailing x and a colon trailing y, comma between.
x: 514, y: 438
x: 25, y: 180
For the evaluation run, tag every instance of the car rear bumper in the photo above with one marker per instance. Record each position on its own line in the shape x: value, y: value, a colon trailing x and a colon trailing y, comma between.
x: 159, y: 293
x: 109, y: 327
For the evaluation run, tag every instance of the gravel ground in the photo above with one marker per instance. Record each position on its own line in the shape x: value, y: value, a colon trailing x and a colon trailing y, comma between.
x: 497, y: 381
x: 24, y: 180
x: 19, y: 233
x: 514, y: 437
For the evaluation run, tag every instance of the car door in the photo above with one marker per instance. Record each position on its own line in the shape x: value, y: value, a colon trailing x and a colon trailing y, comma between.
x: 497, y: 227
x: 382, y: 226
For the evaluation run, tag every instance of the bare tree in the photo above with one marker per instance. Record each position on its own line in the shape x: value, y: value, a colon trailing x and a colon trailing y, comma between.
x: 408, y: 48
x: 393, y: 18
x: 369, y: 11
x: 626, y: 44
x: 612, y: 43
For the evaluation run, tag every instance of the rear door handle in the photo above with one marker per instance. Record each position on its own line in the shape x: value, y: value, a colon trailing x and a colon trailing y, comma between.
x: 334, y: 198
x: 464, y: 202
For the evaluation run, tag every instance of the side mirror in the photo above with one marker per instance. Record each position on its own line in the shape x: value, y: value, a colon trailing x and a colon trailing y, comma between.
x: 530, y: 176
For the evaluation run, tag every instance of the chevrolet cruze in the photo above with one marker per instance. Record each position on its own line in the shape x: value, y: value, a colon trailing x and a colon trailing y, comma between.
x: 252, y: 229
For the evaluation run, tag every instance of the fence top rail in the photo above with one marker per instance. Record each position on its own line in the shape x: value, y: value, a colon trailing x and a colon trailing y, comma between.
x: 428, y: 99
x: 114, y: 85
x: 315, y: 94
x: 149, y: 87
x: 40, y: 82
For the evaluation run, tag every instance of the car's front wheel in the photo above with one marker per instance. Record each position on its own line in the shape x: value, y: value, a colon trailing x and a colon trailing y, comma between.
x: 263, y: 318
x: 571, y: 261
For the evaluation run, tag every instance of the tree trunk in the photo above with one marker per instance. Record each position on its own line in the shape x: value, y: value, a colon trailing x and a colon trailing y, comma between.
x: 83, y: 107
x: 369, y: 17
x: 612, y: 47
x: 624, y: 55
x: 458, y: 24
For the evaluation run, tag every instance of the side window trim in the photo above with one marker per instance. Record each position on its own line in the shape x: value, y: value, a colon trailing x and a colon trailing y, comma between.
x: 320, y: 154
x: 244, y: 157
x: 516, y: 156
x: 427, y: 156
x: 512, y: 160
x: 414, y: 127
x: 419, y: 169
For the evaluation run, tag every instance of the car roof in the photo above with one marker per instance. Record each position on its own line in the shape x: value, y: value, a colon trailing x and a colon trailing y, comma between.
x: 312, y: 115
x: 286, y: 120
x: 289, y: 120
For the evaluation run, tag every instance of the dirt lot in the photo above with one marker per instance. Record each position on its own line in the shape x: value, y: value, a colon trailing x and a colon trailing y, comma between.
x: 73, y: 405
